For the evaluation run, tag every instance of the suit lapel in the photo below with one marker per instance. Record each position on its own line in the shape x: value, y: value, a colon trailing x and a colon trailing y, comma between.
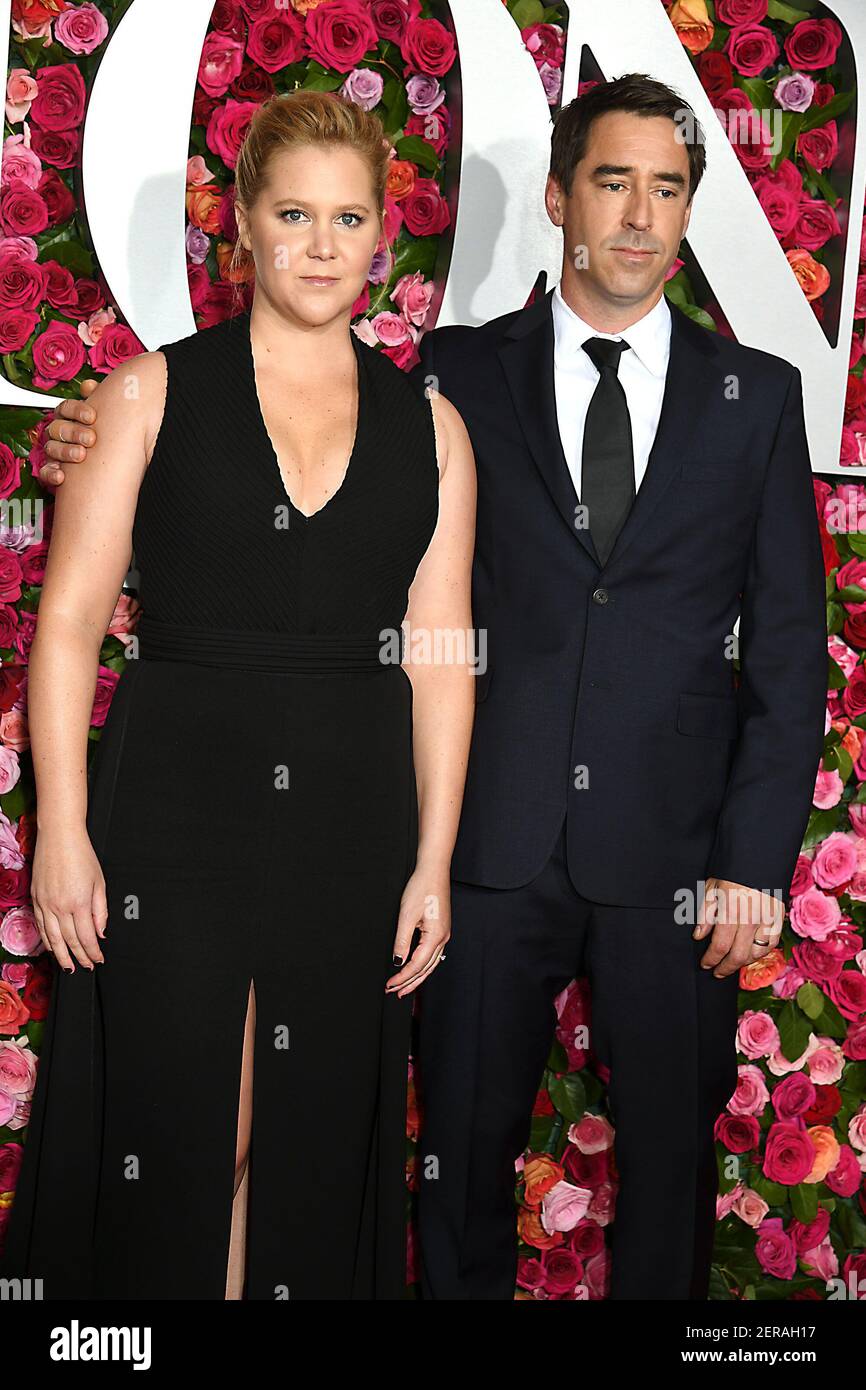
x: 526, y: 354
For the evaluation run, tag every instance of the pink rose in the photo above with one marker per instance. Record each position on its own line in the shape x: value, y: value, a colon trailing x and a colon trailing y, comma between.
x: 816, y: 224
x: 835, y: 860
x: 750, y: 1208
x: 14, y: 730
x: 339, y: 34
x: 793, y: 1096
x: 412, y: 297
x: 780, y: 204
x: 751, y: 1094
x: 58, y: 355
x: 19, y: 934
x: 390, y: 328
x: 845, y: 1178
x: 751, y: 49
x: 788, y: 1154
x: 815, y: 914
x: 10, y: 771
x: 757, y: 1035
x: 821, y: 1261
x: 824, y: 1059
x: 848, y: 993
x: 81, y: 30
x: 59, y: 103
x: 227, y: 127
x: 222, y: 59
x: 17, y: 1070
x: 774, y: 1250
x: 563, y: 1206
x: 828, y: 789
x: 20, y: 162
x: 562, y: 1270
x: 21, y: 88
x: 592, y: 1134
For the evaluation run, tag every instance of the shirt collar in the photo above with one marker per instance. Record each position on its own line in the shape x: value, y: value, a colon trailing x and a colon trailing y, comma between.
x: 649, y: 336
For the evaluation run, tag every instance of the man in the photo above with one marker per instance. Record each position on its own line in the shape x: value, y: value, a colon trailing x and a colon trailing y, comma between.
x: 642, y: 483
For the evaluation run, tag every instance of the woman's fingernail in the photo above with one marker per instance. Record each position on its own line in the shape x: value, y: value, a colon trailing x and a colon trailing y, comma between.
x: 397, y: 961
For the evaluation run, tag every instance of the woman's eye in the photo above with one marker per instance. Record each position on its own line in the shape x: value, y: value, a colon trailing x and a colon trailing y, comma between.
x: 357, y: 217
x: 287, y: 212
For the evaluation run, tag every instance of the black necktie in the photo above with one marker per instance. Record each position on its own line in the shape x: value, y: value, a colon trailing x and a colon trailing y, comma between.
x: 607, y: 477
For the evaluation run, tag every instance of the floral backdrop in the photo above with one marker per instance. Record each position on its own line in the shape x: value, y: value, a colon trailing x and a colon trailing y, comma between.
x: 792, y: 1141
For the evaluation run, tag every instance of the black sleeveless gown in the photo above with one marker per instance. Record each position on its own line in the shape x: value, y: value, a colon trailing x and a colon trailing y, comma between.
x: 253, y: 806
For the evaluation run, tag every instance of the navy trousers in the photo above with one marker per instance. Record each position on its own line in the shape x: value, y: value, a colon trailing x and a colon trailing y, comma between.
x: 664, y: 1026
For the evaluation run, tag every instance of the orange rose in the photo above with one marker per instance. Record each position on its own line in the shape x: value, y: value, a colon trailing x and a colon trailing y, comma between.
x: 531, y: 1231
x: 413, y: 1126
x: 853, y: 742
x: 202, y: 207
x: 692, y: 23
x: 814, y: 278
x: 401, y: 178
x: 540, y: 1175
x: 826, y: 1152
x: 763, y: 972
x: 241, y: 273
x: 14, y: 1013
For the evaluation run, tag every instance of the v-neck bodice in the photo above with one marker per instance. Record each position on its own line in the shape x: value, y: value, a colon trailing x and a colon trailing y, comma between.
x: 217, y: 539
x: 244, y: 320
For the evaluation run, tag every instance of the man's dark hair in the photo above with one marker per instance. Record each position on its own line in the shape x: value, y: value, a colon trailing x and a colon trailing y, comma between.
x: 634, y: 92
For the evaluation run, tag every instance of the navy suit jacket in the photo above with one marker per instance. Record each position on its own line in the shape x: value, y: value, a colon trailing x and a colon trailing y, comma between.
x: 610, y: 693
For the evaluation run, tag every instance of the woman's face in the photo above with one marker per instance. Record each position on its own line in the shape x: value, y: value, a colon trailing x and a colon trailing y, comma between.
x: 313, y: 231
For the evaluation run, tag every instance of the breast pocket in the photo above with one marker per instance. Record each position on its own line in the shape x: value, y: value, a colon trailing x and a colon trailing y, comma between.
x: 707, y: 716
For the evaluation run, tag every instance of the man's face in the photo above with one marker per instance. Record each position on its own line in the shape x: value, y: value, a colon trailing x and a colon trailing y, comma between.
x: 628, y: 210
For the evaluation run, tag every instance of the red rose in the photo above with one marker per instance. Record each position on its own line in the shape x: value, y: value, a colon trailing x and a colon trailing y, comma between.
x: 59, y: 103
x: 10, y: 471
x: 36, y: 993
x: 14, y: 887
x: 428, y: 47
x: 56, y: 196
x: 751, y: 49
x: 106, y: 684
x: 11, y: 678
x: 813, y: 43
x: 22, y: 284
x: 738, y: 12
x: 827, y: 1103
x: 276, y: 41
x: 58, y: 355
x: 820, y: 146
x: 339, y: 34
x: 779, y: 203
x: 22, y: 211
x: 738, y: 1133
x: 10, y: 576
x: 59, y: 285
x: 33, y: 561
x: 57, y: 147
x: 816, y: 224
x: 253, y: 84
x: 788, y: 1154
x: 855, y: 395
x: 116, y: 344
x: 425, y: 210
x: 391, y: 17
x: 715, y: 72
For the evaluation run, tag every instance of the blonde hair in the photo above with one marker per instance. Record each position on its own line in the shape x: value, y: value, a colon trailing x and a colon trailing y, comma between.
x: 290, y: 120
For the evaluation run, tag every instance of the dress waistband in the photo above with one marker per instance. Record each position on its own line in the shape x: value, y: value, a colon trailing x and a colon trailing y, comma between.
x: 246, y: 650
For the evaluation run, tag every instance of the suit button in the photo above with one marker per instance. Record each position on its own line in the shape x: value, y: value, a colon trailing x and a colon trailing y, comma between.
x: 600, y: 596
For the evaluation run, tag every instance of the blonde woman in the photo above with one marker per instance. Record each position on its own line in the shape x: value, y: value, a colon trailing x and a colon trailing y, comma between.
x: 275, y: 796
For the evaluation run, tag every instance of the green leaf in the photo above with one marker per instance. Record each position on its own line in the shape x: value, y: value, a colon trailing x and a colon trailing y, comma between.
x: 527, y: 12
x: 830, y: 1021
x: 792, y: 122
x: 804, y: 1201
x: 836, y: 679
x: 693, y: 311
x: 775, y: 1194
x: 851, y: 593
x: 794, y: 1031
x: 760, y: 93
x: 416, y: 149
x: 820, y: 115
x: 568, y: 1096
x: 810, y: 1000
x: 821, y: 824
x: 787, y: 13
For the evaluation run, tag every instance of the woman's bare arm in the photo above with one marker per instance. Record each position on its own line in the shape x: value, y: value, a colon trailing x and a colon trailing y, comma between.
x: 89, y: 556
x: 443, y: 697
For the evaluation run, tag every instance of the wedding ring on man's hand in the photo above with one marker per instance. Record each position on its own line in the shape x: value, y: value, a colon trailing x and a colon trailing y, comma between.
x: 772, y: 941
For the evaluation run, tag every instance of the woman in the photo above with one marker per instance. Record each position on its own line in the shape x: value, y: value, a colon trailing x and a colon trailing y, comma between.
x: 259, y: 838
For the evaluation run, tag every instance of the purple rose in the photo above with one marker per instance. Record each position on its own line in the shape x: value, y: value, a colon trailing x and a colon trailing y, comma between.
x: 795, y: 92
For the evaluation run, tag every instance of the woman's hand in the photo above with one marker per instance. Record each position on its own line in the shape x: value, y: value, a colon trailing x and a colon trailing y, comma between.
x: 65, y: 442
x: 69, y: 899
x: 425, y: 905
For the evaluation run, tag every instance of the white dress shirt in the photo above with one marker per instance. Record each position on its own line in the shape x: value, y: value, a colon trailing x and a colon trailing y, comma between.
x: 642, y: 372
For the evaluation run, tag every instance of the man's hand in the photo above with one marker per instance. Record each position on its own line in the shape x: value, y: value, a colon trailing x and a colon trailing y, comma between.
x: 745, y: 923
x: 67, y: 442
